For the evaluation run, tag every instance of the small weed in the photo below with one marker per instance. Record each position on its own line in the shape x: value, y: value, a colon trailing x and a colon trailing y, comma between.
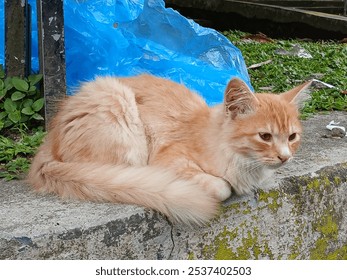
x: 16, y: 152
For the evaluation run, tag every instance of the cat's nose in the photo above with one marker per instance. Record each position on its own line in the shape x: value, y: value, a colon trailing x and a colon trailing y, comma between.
x: 283, y: 158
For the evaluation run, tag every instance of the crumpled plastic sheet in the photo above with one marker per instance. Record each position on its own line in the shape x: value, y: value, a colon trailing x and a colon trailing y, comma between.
x: 130, y: 37
x: 334, y: 124
x: 296, y: 50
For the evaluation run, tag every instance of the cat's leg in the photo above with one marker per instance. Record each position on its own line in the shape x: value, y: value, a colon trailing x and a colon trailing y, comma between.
x: 189, y: 170
x: 218, y: 187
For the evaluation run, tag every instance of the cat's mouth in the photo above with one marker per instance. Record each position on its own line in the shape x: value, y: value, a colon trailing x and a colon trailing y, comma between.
x: 275, y: 165
x: 272, y: 163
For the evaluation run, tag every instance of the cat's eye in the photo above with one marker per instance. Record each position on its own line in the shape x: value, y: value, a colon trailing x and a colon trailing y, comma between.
x: 265, y: 136
x: 292, y: 137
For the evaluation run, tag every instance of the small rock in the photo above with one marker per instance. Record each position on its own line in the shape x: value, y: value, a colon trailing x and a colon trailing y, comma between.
x: 337, y: 132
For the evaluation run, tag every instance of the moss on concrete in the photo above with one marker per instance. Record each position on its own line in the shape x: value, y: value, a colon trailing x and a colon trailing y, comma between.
x: 251, y: 247
x: 327, y: 226
x: 325, y: 221
x: 233, y: 208
x: 337, y: 180
x: 295, y: 248
x: 338, y: 254
x: 221, y: 245
x: 321, y: 251
x: 237, y: 208
x: 271, y: 198
x: 313, y: 229
x: 315, y: 184
x: 191, y: 256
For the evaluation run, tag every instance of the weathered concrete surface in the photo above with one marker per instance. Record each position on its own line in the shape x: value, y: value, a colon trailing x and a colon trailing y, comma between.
x: 45, y: 227
x: 307, y: 21
x: 301, y: 215
x: 275, y: 12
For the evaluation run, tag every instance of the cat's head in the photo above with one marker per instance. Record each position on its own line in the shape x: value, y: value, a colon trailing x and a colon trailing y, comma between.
x: 263, y: 127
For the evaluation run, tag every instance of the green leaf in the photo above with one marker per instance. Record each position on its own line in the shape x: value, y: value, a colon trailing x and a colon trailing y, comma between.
x: 20, y: 84
x: 9, y: 105
x: 8, y: 84
x: 2, y: 93
x: 3, y: 115
x: 38, y: 117
x: 34, y: 79
x: 2, y: 84
x: 1, y: 124
x: 38, y: 104
x: 7, y: 123
x: 17, y: 95
x: 32, y: 94
x: 28, y: 103
x: 14, y: 116
x: 28, y: 111
x: 32, y: 89
x: 24, y: 118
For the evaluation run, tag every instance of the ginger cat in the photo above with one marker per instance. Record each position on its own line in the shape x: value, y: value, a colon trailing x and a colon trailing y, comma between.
x: 152, y: 142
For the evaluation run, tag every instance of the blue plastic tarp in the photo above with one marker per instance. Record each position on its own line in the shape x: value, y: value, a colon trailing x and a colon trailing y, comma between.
x: 130, y: 37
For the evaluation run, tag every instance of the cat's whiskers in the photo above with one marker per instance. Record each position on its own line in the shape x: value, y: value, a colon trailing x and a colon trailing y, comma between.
x: 248, y: 168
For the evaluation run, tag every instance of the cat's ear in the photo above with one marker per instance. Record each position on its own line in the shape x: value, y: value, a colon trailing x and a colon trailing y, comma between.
x: 238, y: 98
x: 297, y: 95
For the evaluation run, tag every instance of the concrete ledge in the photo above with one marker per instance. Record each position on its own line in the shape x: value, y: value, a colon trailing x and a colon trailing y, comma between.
x: 301, y: 215
x: 274, y: 12
x: 271, y: 17
x: 45, y: 227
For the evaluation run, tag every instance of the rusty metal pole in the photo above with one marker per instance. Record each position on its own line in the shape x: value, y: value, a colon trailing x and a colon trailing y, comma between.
x: 17, y: 38
x: 52, y: 54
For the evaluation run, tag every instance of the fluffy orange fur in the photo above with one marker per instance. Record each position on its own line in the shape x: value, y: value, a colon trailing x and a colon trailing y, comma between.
x: 152, y: 142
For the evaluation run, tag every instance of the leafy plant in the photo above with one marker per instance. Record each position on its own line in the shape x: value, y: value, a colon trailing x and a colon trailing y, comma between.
x: 328, y: 63
x: 15, y: 154
x: 20, y: 101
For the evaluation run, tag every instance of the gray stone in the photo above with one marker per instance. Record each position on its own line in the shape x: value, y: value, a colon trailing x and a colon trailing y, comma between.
x: 300, y: 214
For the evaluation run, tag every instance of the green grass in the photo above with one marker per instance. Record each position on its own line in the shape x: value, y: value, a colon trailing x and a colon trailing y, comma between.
x: 329, y: 62
x: 16, y: 152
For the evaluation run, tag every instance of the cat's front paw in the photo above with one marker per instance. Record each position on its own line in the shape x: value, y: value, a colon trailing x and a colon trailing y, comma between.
x: 216, y: 186
x: 223, y: 190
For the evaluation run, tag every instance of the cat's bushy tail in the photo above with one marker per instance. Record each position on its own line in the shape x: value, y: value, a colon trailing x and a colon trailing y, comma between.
x: 149, y: 186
